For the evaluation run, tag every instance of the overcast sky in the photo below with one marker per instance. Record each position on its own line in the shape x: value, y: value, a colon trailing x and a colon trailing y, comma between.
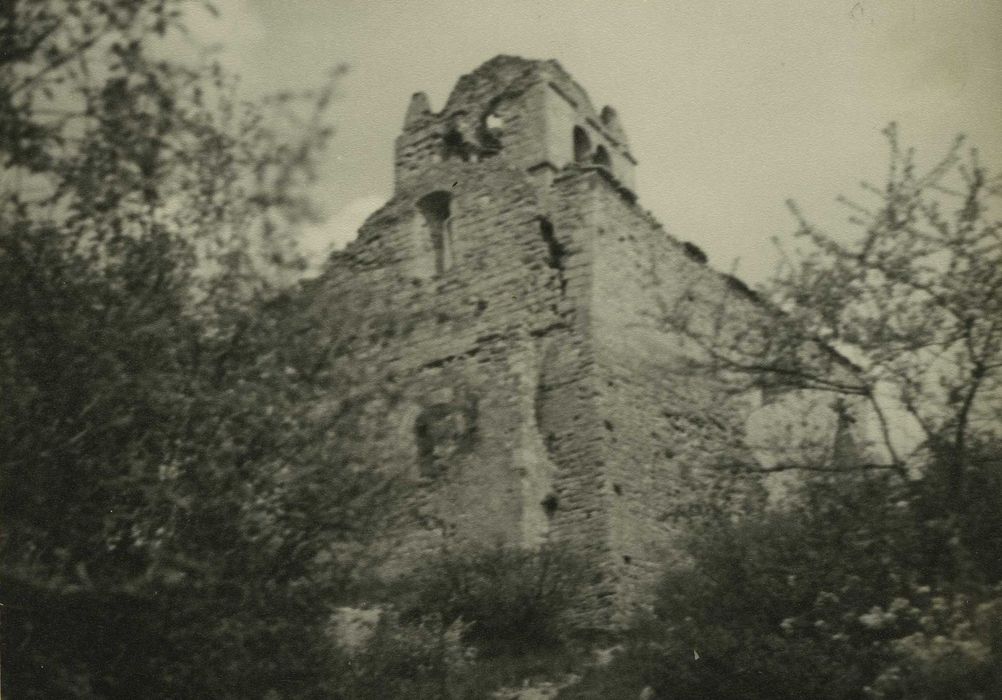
x: 730, y: 107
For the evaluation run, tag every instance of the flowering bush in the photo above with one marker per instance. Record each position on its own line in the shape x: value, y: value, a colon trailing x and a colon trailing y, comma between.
x: 862, y: 590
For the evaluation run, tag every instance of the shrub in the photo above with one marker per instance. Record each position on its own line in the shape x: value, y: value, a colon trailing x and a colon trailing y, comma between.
x: 422, y: 659
x: 863, y: 589
x: 510, y: 599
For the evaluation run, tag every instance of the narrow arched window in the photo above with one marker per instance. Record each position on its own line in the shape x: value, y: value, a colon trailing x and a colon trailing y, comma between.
x: 454, y: 146
x: 602, y: 159
x: 582, y: 145
x: 434, y: 209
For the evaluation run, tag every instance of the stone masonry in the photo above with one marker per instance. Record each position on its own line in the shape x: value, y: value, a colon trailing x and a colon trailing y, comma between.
x: 497, y: 312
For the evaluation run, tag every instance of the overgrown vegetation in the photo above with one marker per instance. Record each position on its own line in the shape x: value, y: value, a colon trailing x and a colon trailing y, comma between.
x: 867, y: 588
x: 169, y: 506
x: 173, y: 507
x: 510, y: 599
x: 879, y: 577
x: 471, y: 620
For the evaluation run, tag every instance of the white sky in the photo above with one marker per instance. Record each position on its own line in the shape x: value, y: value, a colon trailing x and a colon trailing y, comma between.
x: 730, y: 107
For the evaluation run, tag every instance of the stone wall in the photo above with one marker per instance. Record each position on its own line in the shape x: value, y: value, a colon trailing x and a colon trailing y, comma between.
x: 477, y: 399
x: 500, y: 318
x: 522, y: 111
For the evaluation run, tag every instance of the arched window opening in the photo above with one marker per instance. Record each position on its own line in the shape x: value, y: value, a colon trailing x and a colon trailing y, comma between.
x: 434, y: 208
x: 582, y: 145
x: 550, y: 505
x: 489, y: 133
x: 602, y: 158
x: 491, y: 128
x: 443, y: 431
x: 454, y: 146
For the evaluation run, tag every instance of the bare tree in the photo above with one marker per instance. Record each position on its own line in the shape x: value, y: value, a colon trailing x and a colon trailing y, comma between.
x: 911, y: 292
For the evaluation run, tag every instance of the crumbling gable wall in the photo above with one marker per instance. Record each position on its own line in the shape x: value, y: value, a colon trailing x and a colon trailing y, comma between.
x: 478, y: 399
x: 500, y: 314
x: 678, y: 444
x: 663, y: 433
x: 477, y: 274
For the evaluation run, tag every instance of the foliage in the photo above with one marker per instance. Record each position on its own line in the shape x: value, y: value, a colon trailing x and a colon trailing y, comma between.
x: 422, y: 659
x: 470, y: 621
x: 169, y: 502
x: 510, y: 599
x: 874, y: 579
x: 866, y: 589
x: 911, y: 292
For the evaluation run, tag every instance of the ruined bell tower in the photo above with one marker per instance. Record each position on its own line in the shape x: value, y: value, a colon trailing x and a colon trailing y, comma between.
x: 497, y: 314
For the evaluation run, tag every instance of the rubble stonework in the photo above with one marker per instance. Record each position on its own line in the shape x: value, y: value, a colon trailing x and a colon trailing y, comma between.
x: 498, y: 311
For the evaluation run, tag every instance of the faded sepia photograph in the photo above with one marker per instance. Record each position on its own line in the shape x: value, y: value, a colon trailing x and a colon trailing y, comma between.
x: 525, y: 350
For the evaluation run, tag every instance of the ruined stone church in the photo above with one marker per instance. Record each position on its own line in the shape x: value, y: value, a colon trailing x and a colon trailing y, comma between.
x: 499, y: 311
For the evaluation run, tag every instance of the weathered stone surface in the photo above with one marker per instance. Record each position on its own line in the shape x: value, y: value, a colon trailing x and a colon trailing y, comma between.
x: 500, y: 308
x: 353, y: 628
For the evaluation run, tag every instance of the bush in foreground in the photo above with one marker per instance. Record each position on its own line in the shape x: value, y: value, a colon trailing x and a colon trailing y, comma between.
x: 469, y: 621
x: 870, y: 589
